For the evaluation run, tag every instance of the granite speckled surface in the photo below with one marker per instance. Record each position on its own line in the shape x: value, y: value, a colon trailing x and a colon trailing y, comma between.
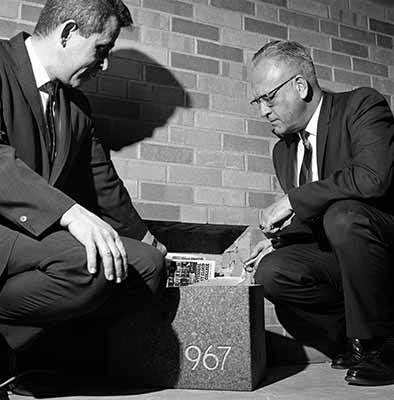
x: 208, y: 337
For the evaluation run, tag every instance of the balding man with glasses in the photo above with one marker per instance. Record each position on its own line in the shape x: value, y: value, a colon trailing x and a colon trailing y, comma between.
x: 333, y: 229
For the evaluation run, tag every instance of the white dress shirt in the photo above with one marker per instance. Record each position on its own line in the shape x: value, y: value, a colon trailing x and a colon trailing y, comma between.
x: 39, y: 72
x: 311, y: 128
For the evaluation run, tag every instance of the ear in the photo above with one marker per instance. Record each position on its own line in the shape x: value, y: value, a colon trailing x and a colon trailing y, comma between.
x: 302, y: 86
x: 66, y: 31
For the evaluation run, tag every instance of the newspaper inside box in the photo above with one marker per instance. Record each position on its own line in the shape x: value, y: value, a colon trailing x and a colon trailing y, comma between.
x: 186, y: 269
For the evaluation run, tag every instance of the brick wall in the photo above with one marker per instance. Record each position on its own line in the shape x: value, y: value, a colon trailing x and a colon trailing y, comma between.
x: 179, y: 80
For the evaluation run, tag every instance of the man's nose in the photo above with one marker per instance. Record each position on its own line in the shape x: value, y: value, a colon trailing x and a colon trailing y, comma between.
x: 264, y: 109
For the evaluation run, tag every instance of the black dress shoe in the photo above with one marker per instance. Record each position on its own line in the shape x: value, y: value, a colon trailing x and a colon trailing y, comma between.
x: 371, y: 371
x: 350, y: 357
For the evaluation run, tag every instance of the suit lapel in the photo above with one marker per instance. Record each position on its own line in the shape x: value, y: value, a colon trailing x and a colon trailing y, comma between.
x: 292, y: 164
x: 322, y: 131
x: 285, y: 161
x: 63, y: 137
x: 28, y: 86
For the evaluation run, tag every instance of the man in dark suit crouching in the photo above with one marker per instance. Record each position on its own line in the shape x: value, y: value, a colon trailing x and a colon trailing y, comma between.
x: 334, y: 227
x: 69, y: 234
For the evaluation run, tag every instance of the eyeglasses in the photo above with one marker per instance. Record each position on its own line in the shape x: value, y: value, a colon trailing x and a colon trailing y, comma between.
x: 268, y: 98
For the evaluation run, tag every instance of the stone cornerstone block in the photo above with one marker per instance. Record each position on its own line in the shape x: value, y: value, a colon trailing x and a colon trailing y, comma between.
x: 211, y: 337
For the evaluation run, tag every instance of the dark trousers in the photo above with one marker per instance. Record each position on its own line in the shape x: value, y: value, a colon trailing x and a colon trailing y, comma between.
x: 346, y: 288
x: 47, y: 282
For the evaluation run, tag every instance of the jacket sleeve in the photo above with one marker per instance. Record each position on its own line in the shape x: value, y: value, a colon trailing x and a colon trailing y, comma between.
x: 368, y: 173
x: 27, y: 201
x: 97, y: 186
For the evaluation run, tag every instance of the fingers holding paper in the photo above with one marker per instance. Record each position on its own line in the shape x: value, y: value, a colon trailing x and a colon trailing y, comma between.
x: 273, y: 216
x: 259, y: 251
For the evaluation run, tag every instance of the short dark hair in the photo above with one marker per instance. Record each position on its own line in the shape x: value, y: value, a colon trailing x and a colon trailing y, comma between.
x: 289, y: 52
x: 90, y: 15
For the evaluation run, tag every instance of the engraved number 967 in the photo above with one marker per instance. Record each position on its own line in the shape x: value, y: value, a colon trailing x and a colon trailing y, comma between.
x: 210, y: 361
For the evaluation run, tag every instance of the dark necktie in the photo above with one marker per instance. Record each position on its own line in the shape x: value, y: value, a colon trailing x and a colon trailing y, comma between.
x: 306, y: 166
x: 51, y: 114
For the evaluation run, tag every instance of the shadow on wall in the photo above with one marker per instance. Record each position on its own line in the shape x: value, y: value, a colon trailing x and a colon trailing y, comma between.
x: 134, y: 97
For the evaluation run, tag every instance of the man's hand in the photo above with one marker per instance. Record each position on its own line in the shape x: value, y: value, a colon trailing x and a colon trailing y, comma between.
x: 98, y: 237
x: 274, y: 214
x: 258, y: 252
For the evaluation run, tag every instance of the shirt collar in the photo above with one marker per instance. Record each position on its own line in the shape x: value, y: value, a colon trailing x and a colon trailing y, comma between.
x: 40, y: 74
x: 311, y: 128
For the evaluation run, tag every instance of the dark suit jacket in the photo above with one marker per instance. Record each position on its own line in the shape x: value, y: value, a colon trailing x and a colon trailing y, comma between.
x: 33, y: 197
x: 355, y: 157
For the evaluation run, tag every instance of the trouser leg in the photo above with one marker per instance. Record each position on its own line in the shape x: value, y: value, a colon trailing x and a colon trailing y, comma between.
x: 304, y: 281
x: 47, y: 282
x: 144, y: 285
x: 362, y: 238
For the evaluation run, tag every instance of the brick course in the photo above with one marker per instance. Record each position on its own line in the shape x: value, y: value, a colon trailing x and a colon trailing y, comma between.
x: 333, y: 59
x: 170, y: 6
x: 328, y: 27
x: 196, y: 214
x: 242, y: 144
x: 309, y: 7
x: 166, y: 193
x: 195, y: 29
x: 299, y: 20
x: 209, y: 158
x: 260, y: 164
x: 169, y: 154
x: 198, y: 64
x: 242, y: 6
x: 384, y: 41
x: 29, y: 12
x: 225, y: 197
x: 9, y: 9
x: 357, y: 35
x: 243, y: 39
x: 369, y: 67
x: 351, y: 78
x: 351, y: 48
x: 265, y: 28
x: 372, y: 9
x: 158, y: 211
x: 382, y: 27
x: 309, y: 38
x: 144, y: 17
x: 349, y: 17
x: 217, y: 51
x: 195, y: 175
x: 218, y: 16
x: 267, y: 12
x: 260, y: 200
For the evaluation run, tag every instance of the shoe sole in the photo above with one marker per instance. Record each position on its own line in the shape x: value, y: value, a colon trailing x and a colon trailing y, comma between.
x: 366, y: 382
x: 341, y: 367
